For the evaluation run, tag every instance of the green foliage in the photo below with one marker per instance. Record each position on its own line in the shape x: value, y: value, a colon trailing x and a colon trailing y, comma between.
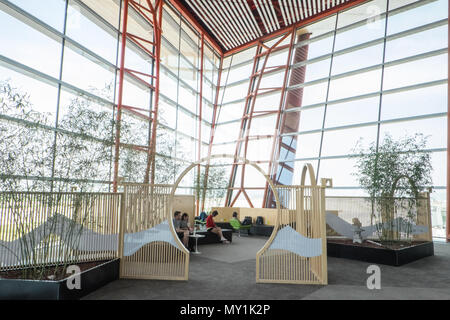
x: 393, y: 175
x: 215, y: 189
x: 22, y: 143
x: 85, y: 153
x: 378, y: 169
x: 82, y: 150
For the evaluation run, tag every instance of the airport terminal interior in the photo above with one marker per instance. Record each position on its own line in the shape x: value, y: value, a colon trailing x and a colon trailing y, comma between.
x: 225, y: 149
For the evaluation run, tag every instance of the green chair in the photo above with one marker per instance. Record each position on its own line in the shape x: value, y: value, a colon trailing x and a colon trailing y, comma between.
x: 236, y: 224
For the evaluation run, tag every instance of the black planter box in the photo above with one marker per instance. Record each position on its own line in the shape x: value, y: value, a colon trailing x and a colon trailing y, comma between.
x: 91, y: 280
x: 392, y: 257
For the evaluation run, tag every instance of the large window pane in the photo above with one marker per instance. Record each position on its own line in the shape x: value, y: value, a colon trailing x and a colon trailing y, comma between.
x: 365, y: 23
x: 83, y: 115
x: 314, y: 94
x: 340, y: 170
x: 86, y: 29
x: 419, y: 15
x: 358, y: 59
x: 28, y: 46
x: 342, y: 142
x: 263, y: 125
x: 434, y: 128
x: 352, y: 112
x: 414, y: 102
x: 418, y: 43
x: 52, y: 13
x: 419, y: 71
x: 40, y: 97
x: 230, y: 112
x: 317, y: 70
x: 308, y: 145
x: 227, y: 132
x: 355, y: 85
x: 88, y: 75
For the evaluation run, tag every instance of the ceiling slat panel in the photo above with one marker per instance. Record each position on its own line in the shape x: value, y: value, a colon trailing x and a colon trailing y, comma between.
x: 282, y: 9
x: 295, y: 6
x: 218, y: 18
x: 300, y: 9
x: 235, y: 23
x: 248, y: 17
x: 241, y: 22
x: 273, y: 14
x: 207, y: 19
x: 263, y: 16
x: 251, y: 18
x: 212, y: 26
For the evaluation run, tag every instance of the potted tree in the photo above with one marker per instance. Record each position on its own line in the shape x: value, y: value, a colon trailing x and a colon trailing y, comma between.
x: 44, y: 219
x: 395, y: 174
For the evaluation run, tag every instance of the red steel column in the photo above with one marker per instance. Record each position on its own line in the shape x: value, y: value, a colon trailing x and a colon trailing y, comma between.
x: 291, y: 121
x: 199, y: 152
x: 120, y: 95
x: 273, y: 157
x: 157, y: 25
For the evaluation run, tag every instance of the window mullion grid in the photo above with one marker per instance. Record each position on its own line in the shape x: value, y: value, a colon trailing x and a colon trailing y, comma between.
x: 382, y: 78
x: 178, y: 93
x: 58, y: 99
x: 326, y: 99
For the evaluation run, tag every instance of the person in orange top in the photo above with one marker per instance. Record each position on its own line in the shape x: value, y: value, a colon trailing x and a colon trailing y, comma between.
x: 211, y: 226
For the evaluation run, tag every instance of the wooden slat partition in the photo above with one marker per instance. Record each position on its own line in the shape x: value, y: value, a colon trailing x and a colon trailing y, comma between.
x: 348, y: 208
x: 40, y: 229
x: 300, y: 228
x: 146, y: 207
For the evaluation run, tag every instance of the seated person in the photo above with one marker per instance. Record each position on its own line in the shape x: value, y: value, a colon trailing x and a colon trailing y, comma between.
x: 182, y: 234
x: 211, y: 226
x: 238, y: 225
x: 245, y: 222
x: 184, y: 223
x: 202, y: 217
x: 235, y: 217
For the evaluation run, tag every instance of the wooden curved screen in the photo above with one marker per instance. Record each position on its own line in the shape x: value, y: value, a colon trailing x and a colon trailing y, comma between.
x: 218, y: 156
x: 296, y: 250
x: 149, y: 246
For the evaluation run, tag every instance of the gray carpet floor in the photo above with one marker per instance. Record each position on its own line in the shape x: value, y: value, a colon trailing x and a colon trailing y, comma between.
x: 227, y: 271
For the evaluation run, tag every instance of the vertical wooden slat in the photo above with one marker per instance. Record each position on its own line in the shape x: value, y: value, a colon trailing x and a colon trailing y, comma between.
x: 304, y: 211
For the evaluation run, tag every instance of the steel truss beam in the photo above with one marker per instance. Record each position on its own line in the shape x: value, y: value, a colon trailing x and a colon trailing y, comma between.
x: 152, y: 13
x: 263, y: 53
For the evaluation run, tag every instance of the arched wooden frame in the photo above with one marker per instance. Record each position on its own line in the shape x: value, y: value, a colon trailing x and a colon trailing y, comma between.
x: 295, y: 264
x: 143, y: 207
x: 193, y: 165
x: 308, y: 167
x: 411, y: 182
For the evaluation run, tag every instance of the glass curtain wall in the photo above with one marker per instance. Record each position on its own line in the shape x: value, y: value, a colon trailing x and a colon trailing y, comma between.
x: 382, y: 70
x: 58, y: 98
x: 376, y: 69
